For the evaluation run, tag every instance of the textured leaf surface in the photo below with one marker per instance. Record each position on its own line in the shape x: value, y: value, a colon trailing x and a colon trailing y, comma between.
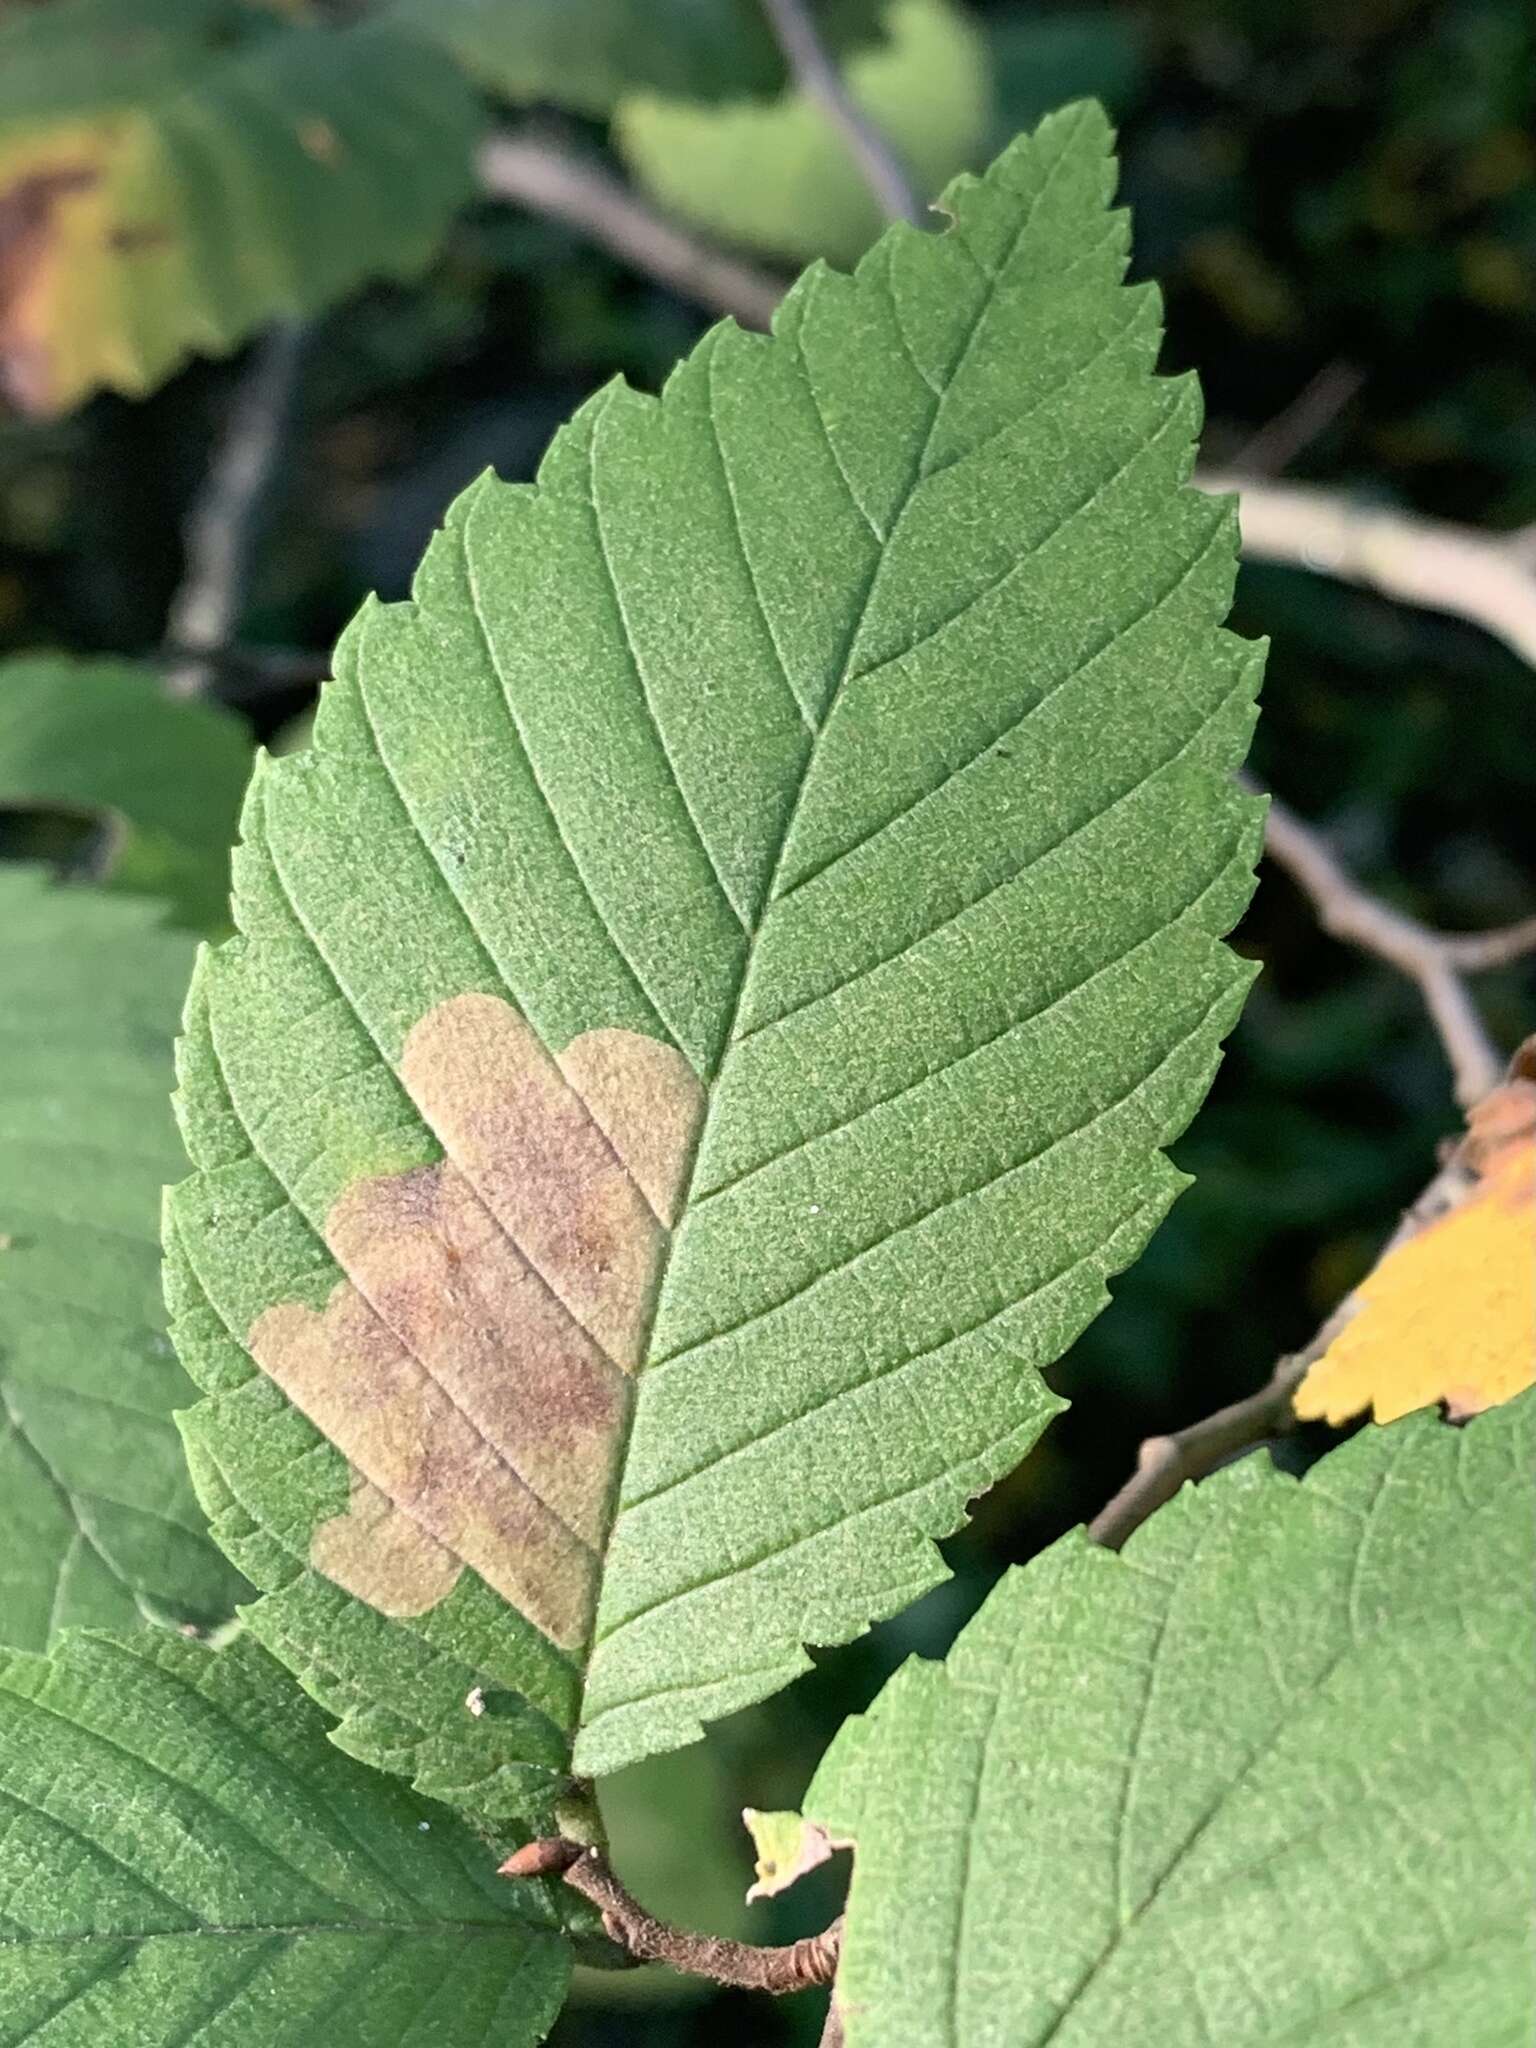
x: 188, y: 1859
x: 779, y: 177
x: 175, y: 173
x: 98, y: 1522
x: 710, y: 1002
x: 1263, y: 1777
x: 588, y: 56
x: 1450, y: 1313
x: 101, y: 737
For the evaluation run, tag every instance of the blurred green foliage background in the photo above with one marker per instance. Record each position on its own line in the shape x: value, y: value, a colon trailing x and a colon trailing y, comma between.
x: 1340, y: 201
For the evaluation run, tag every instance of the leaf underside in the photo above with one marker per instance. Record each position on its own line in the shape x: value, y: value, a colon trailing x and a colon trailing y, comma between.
x: 188, y: 1858
x: 1264, y: 1777
x: 103, y: 739
x: 710, y: 1002
x: 98, y: 1522
x: 176, y: 173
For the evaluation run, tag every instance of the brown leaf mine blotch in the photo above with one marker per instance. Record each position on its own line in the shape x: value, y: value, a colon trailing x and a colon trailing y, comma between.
x: 377, y: 1552
x: 474, y: 1365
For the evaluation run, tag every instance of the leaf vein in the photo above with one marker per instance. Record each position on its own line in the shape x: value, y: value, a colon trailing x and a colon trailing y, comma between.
x: 1034, y: 1016
x: 949, y: 1202
x: 1010, y: 731
x: 632, y: 653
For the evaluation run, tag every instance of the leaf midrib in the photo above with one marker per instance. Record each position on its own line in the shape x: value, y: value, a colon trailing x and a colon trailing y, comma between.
x: 885, y: 544
x: 937, y: 394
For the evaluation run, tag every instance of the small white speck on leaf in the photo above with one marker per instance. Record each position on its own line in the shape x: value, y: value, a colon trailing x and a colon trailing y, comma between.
x: 474, y: 1699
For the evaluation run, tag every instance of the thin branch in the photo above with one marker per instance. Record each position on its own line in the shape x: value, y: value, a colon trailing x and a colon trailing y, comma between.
x: 533, y: 171
x: 1314, y: 409
x: 1488, y: 579
x: 1435, y: 961
x: 646, y: 1939
x: 1499, y: 946
x: 1165, y: 1463
x: 818, y: 77
x: 221, y: 525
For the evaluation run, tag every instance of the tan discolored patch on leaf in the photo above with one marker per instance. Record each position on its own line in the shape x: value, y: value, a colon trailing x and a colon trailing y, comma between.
x: 542, y: 1158
x: 379, y: 1553
x: 1450, y: 1313
x: 644, y: 1097
x: 474, y: 1366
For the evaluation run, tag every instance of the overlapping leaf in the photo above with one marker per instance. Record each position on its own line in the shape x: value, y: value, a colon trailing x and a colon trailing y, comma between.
x: 101, y: 738
x: 588, y: 56
x: 778, y: 176
x: 98, y: 1523
x: 187, y: 1858
x: 710, y: 1002
x: 1264, y: 1777
x: 1449, y: 1315
x: 175, y: 173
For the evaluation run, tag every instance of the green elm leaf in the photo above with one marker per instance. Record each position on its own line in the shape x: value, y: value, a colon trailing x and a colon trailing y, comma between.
x: 102, y: 738
x: 710, y: 1002
x: 188, y: 1858
x: 98, y: 1521
x: 1263, y: 1777
x: 175, y: 174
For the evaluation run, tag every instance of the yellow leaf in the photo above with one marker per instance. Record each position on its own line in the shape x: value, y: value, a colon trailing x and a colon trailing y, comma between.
x: 175, y: 174
x: 1450, y: 1313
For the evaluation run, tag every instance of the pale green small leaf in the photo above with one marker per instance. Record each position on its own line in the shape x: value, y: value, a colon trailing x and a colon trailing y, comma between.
x: 102, y: 738
x: 188, y: 1859
x: 98, y: 1521
x: 779, y: 177
x: 177, y: 173
x: 710, y: 1002
x: 588, y: 56
x: 1264, y: 1777
x: 788, y: 1847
